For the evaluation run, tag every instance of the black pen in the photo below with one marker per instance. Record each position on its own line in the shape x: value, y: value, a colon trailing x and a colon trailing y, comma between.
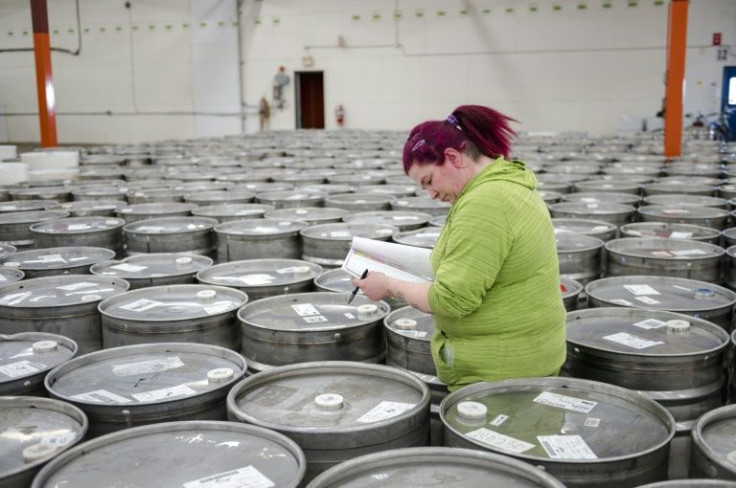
x: 355, y: 292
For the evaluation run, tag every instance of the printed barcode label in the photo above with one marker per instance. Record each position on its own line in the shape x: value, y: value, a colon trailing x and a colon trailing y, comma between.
x: 621, y: 301
x: 565, y: 402
x: 101, y: 396
x: 304, y: 309
x: 14, y: 298
x: 500, y: 441
x: 315, y: 319
x: 147, y: 367
x: 349, y: 315
x: 141, y: 305
x: 413, y: 333
x: 592, y: 422
x: 650, y: 324
x: 61, y: 439
x: 566, y: 447
x: 164, y: 393
x: 631, y: 341
x: 128, y: 268
x: 641, y: 289
x: 257, y: 279
x: 52, y: 258
x: 384, y: 410
x: 248, y: 477
x: 681, y: 235
x: 21, y: 368
x: 647, y: 300
x: 78, y: 226
x: 76, y: 286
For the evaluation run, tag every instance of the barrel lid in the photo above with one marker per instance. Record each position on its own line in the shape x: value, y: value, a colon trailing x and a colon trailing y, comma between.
x: 290, y: 195
x: 636, y: 168
x: 171, y: 225
x: 601, y: 198
x: 31, y: 216
x: 410, y: 322
x: 327, y: 396
x: 329, y: 188
x: 604, y: 208
x: 593, y: 228
x: 337, y: 280
x: 219, y: 195
x: 43, y: 192
x: 660, y: 293
x: 40, y: 424
x: 346, y: 232
x: 420, y: 203
x: 77, y: 225
x: 682, y: 212
x: 260, y: 227
x: 426, y: 237
x: 713, y: 437
x: 548, y: 187
x: 569, y: 287
x: 681, y: 185
x: 572, y: 242
x: 237, y: 455
x: 9, y: 275
x: 268, y: 187
x: 175, y: 303
x: 669, y: 230
x: 245, y: 210
x: 7, y: 250
x: 395, y: 190
x: 559, y: 420
x: 145, y: 193
x: 397, y: 218
x: 144, y: 374
x: 642, y: 332
x: 57, y: 291
x: 308, y: 214
x: 152, y: 265
x: 665, y: 249
x: 58, y: 257
x: 88, y: 205
x: 32, y: 353
x: 260, y: 273
x: 603, y: 185
x: 685, y: 200
x: 312, y: 312
x: 156, y: 208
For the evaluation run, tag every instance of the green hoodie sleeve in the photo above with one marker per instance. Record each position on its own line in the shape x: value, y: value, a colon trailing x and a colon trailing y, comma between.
x: 473, y: 253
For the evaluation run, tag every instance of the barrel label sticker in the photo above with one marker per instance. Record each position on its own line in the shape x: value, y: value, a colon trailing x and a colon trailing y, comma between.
x: 218, y: 308
x: 641, y: 289
x: 61, y: 439
x: 592, y: 422
x: 566, y: 447
x: 565, y: 402
x: 21, y: 368
x: 76, y: 286
x: 500, y: 418
x: 14, y: 298
x: 621, y: 301
x: 79, y: 226
x: 689, y: 252
x: 384, y: 410
x: 681, y: 235
x: 650, y: 324
x: 315, y: 319
x: 52, y: 258
x: 349, y: 315
x: 647, y: 300
x: 147, y: 367
x: 305, y: 309
x: 101, y: 396
x: 257, y: 279
x: 128, y: 268
x: 164, y: 393
x: 248, y: 477
x: 141, y: 305
x: 632, y: 341
x: 3, y: 278
x: 500, y: 441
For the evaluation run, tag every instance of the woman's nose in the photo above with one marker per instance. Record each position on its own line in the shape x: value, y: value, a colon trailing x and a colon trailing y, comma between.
x: 432, y: 194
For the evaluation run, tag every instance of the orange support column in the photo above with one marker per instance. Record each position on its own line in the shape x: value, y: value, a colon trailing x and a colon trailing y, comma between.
x: 676, y: 48
x: 44, y: 81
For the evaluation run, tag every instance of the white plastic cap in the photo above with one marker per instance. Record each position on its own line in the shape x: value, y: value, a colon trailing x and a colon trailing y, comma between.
x: 112, y: 222
x: 678, y: 326
x: 39, y: 451
x: 42, y: 347
x: 471, y: 411
x: 12, y: 264
x: 405, y: 324
x: 126, y: 210
x: 731, y: 457
x: 591, y: 205
x: 220, y: 375
x: 367, y: 311
x: 599, y: 228
x: 184, y: 261
x: 206, y: 295
x: 191, y: 226
x: 301, y: 211
x: 91, y: 298
x: 329, y: 401
x: 300, y: 270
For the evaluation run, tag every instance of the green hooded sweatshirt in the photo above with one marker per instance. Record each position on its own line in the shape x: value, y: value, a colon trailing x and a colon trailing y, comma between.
x: 496, y: 299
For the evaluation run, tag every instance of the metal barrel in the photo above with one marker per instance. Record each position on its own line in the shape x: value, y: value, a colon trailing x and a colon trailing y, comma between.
x: 438, y: 221
x: 328, y: 244
x: 603, y: 198
x: 608, y: 186
x: 579, y: 256
x: 713, y: 448
x: 35, y: 431
x: 27, y: 206
x: 396, y: 191
x: 55, y: 261
x: 246, y: 456
x: 360, y: 202
x: 693, y: 483
x: 571, y: 290
x: 233, y: 211
x: 336, y: 410
x: 714, y: 218
x: 682, y: 258
x: 339, y: 281
x: 9, y: 275
x: 685, y: 200
x: 155, y: 196
x: 15, y: 227
x: 259, y: 238
x: 316, y: 326
x: 262, y: 278
x: 584, y: 433
x: 291, y: 198
x: 158, y: 269
x: 308, y: 215
x: 105, y: 232
x: 25, y: 359
x: 426, y: 237
x: 189, y: 235
x: 56, y: 193
x: 698, y: 299
x: 599, y: 229
x: 144, y: 211
x: 613, y: 213
x: 663, y: 188
x: 404, y: 221
x: 97, y: 208
x: 219, y: 197
x: 672, y: 230
x: 421, y: 204
x: 144, y: 384
x: 329, y: 188
x: 177, y: 313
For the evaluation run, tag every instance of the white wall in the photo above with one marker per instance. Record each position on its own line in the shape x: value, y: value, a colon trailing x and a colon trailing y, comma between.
x: 568, y: 69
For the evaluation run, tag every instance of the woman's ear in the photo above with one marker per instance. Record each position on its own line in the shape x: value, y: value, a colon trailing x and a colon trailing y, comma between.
x: 454, y: 157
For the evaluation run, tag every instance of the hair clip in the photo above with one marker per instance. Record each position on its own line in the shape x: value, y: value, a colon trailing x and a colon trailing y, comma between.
x: 419, y: 144
x: 453, y: 120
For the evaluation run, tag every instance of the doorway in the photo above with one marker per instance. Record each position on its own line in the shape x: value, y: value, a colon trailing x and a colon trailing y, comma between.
x: 728, y: 100
x: 310, y: 100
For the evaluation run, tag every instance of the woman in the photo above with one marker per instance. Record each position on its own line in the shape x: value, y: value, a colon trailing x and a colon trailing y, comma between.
x: 495, y: 297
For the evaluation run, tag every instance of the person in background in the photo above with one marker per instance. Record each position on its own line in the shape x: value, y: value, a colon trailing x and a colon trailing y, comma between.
x: 495, y: 297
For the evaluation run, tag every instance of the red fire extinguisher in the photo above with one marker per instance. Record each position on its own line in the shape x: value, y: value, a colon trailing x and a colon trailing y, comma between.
x: 340, y: 115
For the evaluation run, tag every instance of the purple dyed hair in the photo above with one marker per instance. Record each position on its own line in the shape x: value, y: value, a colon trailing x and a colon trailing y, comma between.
x: 475, y: 130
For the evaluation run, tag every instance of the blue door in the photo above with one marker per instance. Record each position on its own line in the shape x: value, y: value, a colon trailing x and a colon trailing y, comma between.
x: 728, y: 99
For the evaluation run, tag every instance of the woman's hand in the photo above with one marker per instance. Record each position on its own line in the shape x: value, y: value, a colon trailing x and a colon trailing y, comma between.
x: 374, y: 286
